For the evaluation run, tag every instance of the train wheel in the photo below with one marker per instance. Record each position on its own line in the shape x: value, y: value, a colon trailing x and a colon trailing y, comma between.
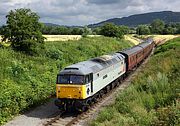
x: 108, y: 88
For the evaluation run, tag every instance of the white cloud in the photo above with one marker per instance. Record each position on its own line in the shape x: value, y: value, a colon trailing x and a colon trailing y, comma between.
x: 83, y: 12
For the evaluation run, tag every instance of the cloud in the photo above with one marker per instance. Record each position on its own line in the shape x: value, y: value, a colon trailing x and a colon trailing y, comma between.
x: 84, y: 12
x: 103, y: 1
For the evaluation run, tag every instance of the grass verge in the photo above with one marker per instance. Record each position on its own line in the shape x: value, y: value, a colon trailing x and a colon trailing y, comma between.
x: 153, y: 96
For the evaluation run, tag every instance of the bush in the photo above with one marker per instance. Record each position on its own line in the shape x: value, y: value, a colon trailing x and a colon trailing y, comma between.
x: 55, y: 54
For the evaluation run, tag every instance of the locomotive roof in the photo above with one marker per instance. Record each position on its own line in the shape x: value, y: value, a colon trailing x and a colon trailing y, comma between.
x: 94, y: 65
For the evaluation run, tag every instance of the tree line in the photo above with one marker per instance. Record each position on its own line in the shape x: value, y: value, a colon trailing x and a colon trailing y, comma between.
x: 158, y: 27
x: 108, y: 29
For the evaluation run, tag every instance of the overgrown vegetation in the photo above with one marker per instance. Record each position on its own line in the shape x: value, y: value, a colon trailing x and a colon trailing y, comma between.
x: 26, y: 80
x: 153, y: 97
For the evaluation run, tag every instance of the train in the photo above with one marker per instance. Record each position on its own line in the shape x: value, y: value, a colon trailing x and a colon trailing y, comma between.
x: 80, y: 85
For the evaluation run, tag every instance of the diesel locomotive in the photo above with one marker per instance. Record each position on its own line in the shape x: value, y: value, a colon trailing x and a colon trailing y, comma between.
x: 81, y: 84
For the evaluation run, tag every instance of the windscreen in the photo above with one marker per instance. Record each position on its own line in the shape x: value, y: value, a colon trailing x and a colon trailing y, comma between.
x: 70, y: 79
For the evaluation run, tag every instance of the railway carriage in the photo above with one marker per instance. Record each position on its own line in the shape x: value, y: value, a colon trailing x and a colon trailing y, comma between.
x: 133, y: 56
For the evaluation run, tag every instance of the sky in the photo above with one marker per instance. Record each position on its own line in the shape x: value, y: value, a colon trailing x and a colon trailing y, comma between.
x: 84, y: 12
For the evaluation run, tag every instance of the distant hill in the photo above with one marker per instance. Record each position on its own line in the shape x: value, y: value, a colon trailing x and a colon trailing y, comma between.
x: 50, y: 24
x: 146, y: 18
x: 56, y: 25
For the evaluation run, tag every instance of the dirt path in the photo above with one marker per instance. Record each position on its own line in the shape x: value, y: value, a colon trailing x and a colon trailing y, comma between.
x: 37, y: 116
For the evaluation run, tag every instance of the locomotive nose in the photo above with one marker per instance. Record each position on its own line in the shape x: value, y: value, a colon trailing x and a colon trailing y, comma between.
x: 71, y: 91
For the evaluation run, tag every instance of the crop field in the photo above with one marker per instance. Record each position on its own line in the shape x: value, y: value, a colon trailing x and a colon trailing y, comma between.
x: 153, y: 97
x: 159, y: 37
x: 164, y: 37
x: 65, y: 37
x: 62, y: 37
x: 132, y: 39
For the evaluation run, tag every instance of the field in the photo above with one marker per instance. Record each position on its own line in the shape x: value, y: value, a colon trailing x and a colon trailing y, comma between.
x: 65, y: 37
x: 77, y: 37
x: 132, y: 39
x: 158, y: 37
x: 27, y: 81
x: 62, y: 37
x: 153, y: 96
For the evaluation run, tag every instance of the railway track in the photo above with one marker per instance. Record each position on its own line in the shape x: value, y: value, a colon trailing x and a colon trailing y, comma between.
x: 70, y: 119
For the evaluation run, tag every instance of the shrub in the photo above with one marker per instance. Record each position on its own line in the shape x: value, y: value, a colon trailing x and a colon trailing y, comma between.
x: 55, y: 54
x: 106, y: 114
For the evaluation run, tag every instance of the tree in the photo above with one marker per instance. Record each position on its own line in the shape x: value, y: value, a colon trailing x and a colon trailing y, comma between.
x: 169, y: 30
x: 76, y: 31
x: 23, y: 31
x: 96, y: 31
x: 157, y: 26
x: 111, y: 30
x: 178, y: 28
x: 124, y: 29
x: 86, y: 31
x: 142, y: 30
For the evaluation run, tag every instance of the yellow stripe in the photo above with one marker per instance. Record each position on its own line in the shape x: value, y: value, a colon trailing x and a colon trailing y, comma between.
x: 71, y: 91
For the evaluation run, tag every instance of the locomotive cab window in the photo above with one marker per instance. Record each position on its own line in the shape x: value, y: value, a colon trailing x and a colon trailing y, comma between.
x: 87, y: 79
x: 70, y: 79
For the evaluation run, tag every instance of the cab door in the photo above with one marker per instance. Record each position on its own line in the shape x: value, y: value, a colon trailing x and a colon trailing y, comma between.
x: 89, y: 84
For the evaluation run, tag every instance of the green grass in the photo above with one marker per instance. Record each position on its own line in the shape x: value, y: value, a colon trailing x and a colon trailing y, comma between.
x: 27, y: 81
x: 153, y: 96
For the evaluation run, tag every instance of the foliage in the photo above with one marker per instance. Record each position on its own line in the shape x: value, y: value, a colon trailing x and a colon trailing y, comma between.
x: 111, y: 30
x: 143, y: 30
x: 124, y: 29
x: 86, y: 31
x: 157, y: 26
x: 96, y: 31
x: 153, y: 97
x: 26, y: 81
x: 61, y: 30
x: 23, y: 30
